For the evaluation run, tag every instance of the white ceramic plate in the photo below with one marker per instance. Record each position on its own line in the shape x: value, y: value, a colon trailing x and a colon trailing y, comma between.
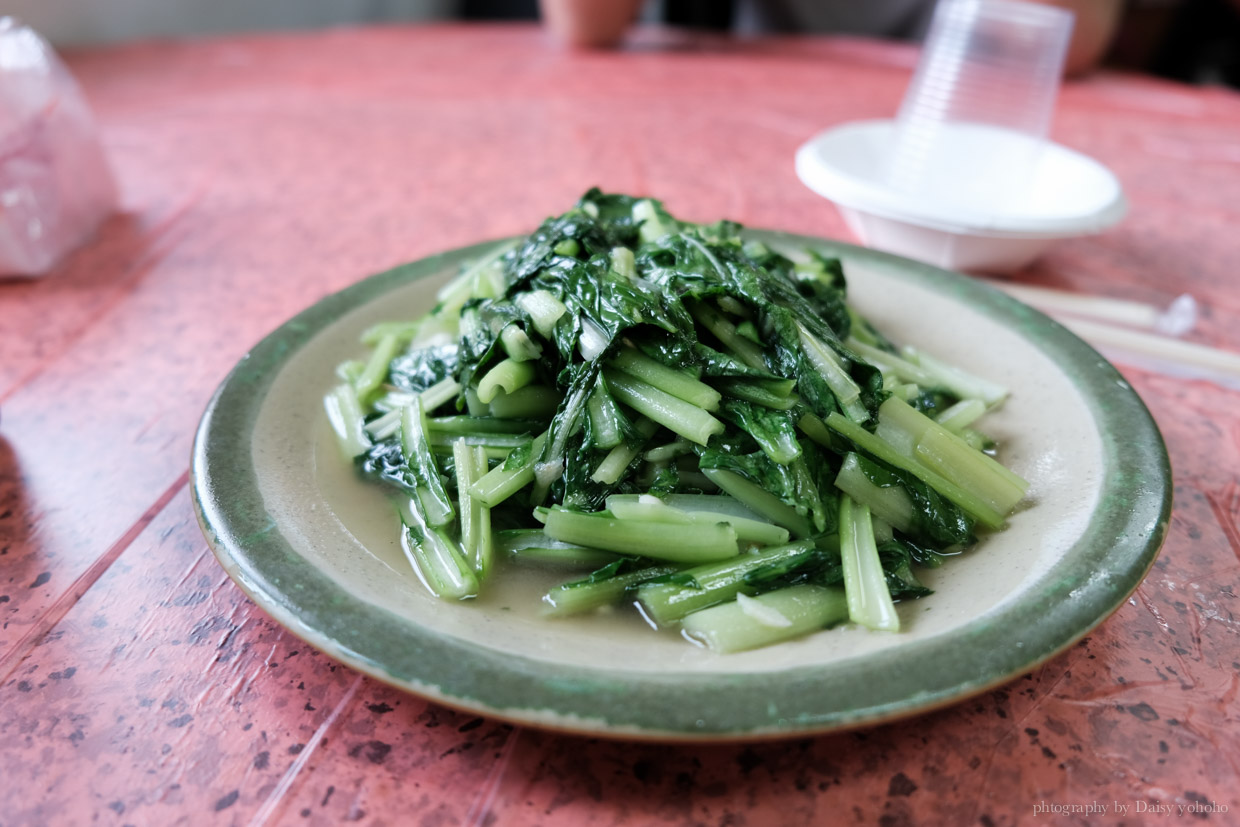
x: 317, y: 548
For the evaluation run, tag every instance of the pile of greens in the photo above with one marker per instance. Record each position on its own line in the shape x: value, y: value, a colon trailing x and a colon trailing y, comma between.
x: 699, y: 421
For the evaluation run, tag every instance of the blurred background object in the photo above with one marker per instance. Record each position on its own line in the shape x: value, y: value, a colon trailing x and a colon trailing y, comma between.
x: 67, y: 22
x: 601, y: 23
x: 1197, y: 41
x: 55, y: 184
x: 1191, y: 40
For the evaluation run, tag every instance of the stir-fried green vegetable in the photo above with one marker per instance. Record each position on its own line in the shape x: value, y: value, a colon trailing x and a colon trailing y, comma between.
x: 698, y: 418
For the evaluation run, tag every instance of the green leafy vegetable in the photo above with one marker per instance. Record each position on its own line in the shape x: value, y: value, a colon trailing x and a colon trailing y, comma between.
x: 670, y: 403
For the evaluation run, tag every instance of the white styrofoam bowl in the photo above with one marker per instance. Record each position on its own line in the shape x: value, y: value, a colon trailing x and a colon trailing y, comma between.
x: 1071, y: 195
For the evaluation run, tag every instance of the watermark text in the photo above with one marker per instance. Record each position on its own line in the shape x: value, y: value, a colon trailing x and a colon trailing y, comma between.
x: 1123, y: 808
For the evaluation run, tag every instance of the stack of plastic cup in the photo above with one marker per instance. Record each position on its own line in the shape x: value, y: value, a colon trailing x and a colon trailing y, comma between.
x: 975, y: 118
x: 966, y: 177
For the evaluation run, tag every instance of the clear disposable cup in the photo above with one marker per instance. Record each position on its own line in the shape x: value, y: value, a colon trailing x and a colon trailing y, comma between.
x: 977, y: 112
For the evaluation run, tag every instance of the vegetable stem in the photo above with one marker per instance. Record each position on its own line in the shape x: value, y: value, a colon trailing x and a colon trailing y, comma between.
x: 619, y: 458
x: 652, y: 509
x: 344, y: 412
x: 961, y: 415
x: 774, y: 617
x: 529, y: 402
x: 431, y: 494
x: 722, y: 329
x: 962, y: 383
x: 761, y: 501
x: 659, y: 541
x: 668, y: 380
x: 544, y: 310
x: 709, y: 584
x: 827, y: 363
x: 589, y: 594
x: 502, y: 482
x: 465, y: 425
x: 876, y: 447
x: 950, y: 456
x: 533, y: 544
x: 475, y: 280
x: 436, y: 559
x: 892, y: 505
x: 376, y: 369
x: 678, y: 416
x: 604, y: 419
x: 518, y: 345
x: 869, y: 601
x: 508, y: 376
x: 471, y: 463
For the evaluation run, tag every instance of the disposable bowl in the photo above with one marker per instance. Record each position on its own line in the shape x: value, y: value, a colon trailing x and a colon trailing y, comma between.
x: 1071, y: 195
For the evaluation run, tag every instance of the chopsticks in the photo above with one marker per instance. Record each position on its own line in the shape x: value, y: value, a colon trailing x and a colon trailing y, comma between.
x: 1136, y: 334
x: 1175, y: 320
x: 1161, y: 354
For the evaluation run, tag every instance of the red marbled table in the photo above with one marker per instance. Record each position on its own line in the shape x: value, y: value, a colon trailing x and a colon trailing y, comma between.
x: 139, y: 686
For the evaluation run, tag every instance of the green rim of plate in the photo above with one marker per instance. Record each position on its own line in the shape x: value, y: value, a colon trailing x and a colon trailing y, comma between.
x: 1063, y: 604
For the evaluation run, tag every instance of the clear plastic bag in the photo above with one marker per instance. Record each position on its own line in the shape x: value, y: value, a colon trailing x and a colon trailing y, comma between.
x: 55, y: 185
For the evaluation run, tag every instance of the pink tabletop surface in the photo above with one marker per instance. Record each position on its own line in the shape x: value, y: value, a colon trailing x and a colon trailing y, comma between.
x: 139, y: 686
